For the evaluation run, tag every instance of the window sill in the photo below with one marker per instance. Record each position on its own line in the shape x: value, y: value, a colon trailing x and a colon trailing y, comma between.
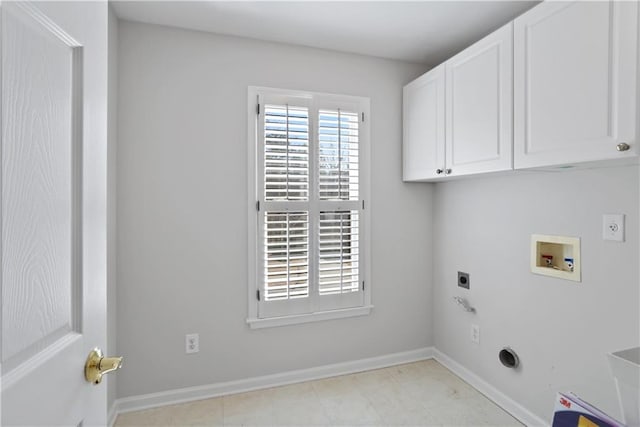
x: 255, y: 323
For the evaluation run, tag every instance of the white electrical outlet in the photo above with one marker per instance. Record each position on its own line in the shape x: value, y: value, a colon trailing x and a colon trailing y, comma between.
x: 192, y: 343
x: 475, y: 334
x: 613, y: 227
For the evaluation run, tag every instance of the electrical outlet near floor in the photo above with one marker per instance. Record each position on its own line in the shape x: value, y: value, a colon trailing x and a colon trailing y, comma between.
x: 475, y: 334
x: 192, y: 343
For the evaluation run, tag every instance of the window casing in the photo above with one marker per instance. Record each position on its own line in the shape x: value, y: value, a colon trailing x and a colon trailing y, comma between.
x: 308, y: 218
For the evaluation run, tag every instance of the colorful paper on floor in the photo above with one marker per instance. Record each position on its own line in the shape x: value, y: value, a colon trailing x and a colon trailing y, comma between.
x: 571, y: 411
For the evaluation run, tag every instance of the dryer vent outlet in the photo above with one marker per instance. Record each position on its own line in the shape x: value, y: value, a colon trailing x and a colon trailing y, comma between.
x: 509, y: 358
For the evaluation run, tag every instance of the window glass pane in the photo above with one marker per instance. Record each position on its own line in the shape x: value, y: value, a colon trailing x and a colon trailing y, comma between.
x: 286, y: 153
x: 339, y: 252
x: 286, y: 255
x: 338, y: 154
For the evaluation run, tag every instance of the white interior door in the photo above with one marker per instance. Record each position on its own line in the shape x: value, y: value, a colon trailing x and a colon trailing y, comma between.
x: 53, y: 217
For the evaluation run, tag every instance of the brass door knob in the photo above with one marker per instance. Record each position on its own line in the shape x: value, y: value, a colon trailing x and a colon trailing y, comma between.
x: 97, y: 365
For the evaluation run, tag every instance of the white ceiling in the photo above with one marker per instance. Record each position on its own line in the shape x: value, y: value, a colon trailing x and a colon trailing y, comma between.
x: 426, y: 32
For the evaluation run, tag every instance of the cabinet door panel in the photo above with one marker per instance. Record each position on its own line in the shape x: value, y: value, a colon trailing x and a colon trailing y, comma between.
x: 423, y: 124
x: 479, y: 106
x: 575, y: 90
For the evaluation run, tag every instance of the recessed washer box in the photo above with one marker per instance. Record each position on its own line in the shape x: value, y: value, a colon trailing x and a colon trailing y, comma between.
x: 556, y: 256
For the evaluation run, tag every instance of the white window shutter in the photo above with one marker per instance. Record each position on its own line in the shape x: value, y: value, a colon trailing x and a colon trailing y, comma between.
x: 286, y: 255
x: 310, y: 218
x: 338, y: 267
x: 339, y: 155
x: 286, y: 152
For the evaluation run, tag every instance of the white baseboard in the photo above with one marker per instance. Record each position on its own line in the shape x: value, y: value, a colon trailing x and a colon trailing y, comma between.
x: 505, y: 402
x: 112, y: 415
x: 188, y: 394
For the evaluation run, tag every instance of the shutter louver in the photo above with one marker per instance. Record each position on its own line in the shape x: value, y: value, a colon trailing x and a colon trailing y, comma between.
x: 338, y: 150
x: 286, y: 152
x: 339, y: 252
x: 286, y: 255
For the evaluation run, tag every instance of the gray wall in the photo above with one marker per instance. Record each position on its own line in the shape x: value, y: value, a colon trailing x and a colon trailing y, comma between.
x: 561, y: 329
x: 112, y: 140
x: 182, y: 211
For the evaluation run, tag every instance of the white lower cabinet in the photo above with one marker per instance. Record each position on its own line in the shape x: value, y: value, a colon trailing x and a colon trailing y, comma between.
x: 575, y: 83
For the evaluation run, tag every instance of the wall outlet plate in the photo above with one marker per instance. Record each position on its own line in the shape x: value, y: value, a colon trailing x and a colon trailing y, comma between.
x: 613, y: 227
x: 475, y: 334
x: 192, y: 343
x: 463, y: 280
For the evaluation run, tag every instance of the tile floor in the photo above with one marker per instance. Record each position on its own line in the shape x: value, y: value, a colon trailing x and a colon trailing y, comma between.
x: 417, y: 394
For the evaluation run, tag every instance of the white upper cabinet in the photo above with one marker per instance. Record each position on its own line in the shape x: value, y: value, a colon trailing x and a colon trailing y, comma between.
x: 479, y: 100
x: 423, y: 126
x: 557, y: 86
x: 575, y: 94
